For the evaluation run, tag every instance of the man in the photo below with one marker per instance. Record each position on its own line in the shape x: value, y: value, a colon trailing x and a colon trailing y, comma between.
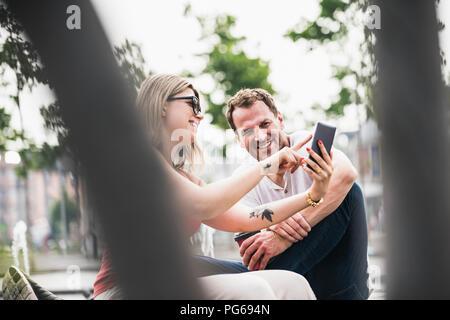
x: 333, y: 256
x: 326, y: 244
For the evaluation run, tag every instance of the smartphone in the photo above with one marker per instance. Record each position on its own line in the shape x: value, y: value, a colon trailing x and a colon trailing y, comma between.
x: 325, y: 133
x: 240, y: 237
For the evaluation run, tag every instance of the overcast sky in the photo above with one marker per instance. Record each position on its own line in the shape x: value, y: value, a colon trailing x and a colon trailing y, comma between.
x: 170, y: 42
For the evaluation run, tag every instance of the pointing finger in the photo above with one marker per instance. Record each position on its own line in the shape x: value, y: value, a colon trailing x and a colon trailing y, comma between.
x: 301, y: 144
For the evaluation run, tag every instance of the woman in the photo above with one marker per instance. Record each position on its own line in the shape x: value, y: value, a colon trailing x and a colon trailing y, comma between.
x: 170, y: 106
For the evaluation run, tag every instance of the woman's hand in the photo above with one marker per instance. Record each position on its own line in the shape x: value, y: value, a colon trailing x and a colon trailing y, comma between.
x: 321, y: 173
x: 286, y: 158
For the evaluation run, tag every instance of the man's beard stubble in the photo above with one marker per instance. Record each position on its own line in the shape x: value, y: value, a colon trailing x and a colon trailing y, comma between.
x: 273, y: 146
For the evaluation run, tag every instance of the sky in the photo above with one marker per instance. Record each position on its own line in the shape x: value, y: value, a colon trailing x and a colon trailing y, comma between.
x: 170, y: 42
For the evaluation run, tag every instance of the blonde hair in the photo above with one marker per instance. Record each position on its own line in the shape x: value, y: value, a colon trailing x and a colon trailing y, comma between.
x: 151, y: 99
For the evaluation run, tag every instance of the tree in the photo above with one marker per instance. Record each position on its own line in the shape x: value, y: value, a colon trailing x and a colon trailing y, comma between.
x: 19, y: 69
x: 19, y: 59
x: 72, y: 213
x: 132, y: 63
x: 18, y: 55
x: 228, y: 65
x: 5, y: 136
x: 133, y: 67
x: 332, y: 26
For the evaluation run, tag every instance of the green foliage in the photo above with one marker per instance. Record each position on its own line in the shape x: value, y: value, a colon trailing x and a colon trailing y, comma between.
x: 19, y: 54
x: 5, y: 119
x: 53, y: 122
x: 228, y: 65
x: 131, y: 63
x: 18, y: 58
x: 318, y: 30
x: 330, y: 26
x: 72, y: 214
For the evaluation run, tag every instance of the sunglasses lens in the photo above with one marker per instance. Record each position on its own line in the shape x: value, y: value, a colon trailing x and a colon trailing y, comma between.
x: 194, y: 102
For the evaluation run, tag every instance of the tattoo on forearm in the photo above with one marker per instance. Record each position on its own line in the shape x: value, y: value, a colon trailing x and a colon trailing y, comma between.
x: 263, y: 213
x: 267, y: 166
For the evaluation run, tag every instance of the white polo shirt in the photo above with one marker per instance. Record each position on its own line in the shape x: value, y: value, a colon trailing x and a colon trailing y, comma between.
x: 294, y: 183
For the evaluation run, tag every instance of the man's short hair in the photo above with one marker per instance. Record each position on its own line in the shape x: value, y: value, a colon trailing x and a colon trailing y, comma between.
x: 247, y: 97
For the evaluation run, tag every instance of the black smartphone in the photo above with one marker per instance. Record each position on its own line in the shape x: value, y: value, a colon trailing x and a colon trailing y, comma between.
x: 325, y: 133
x: 240, y: 237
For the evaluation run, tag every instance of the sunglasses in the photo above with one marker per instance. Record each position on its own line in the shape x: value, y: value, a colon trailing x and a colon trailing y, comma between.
x: 195, y: 103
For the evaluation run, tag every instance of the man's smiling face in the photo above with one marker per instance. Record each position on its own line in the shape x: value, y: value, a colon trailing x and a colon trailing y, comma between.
x: 258, y: 130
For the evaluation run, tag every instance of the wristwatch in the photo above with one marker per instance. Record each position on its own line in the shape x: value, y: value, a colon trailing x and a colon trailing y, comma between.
x: 311, y: 202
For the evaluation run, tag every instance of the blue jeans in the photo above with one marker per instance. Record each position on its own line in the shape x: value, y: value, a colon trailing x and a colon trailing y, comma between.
x: 333, y: 257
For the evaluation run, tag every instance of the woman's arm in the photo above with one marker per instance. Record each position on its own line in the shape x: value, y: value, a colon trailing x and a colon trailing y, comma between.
x: 241, y: 218
x: 213, y: 199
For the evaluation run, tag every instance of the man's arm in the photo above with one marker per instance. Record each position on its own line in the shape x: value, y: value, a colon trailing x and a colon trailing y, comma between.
x: 263, y: 246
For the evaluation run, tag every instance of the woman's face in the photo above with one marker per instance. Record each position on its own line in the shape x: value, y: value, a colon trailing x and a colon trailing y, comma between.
x: 179, y: 115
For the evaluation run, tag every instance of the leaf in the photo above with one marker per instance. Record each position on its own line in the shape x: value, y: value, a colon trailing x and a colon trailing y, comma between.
x: 228, y: 65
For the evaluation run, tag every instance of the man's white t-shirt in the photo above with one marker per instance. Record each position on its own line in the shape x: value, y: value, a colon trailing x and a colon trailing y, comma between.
x: 268, y: 191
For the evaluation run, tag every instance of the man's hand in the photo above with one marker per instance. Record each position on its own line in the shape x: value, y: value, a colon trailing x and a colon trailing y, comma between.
x: 262, y: 247
x: 293, y: 229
